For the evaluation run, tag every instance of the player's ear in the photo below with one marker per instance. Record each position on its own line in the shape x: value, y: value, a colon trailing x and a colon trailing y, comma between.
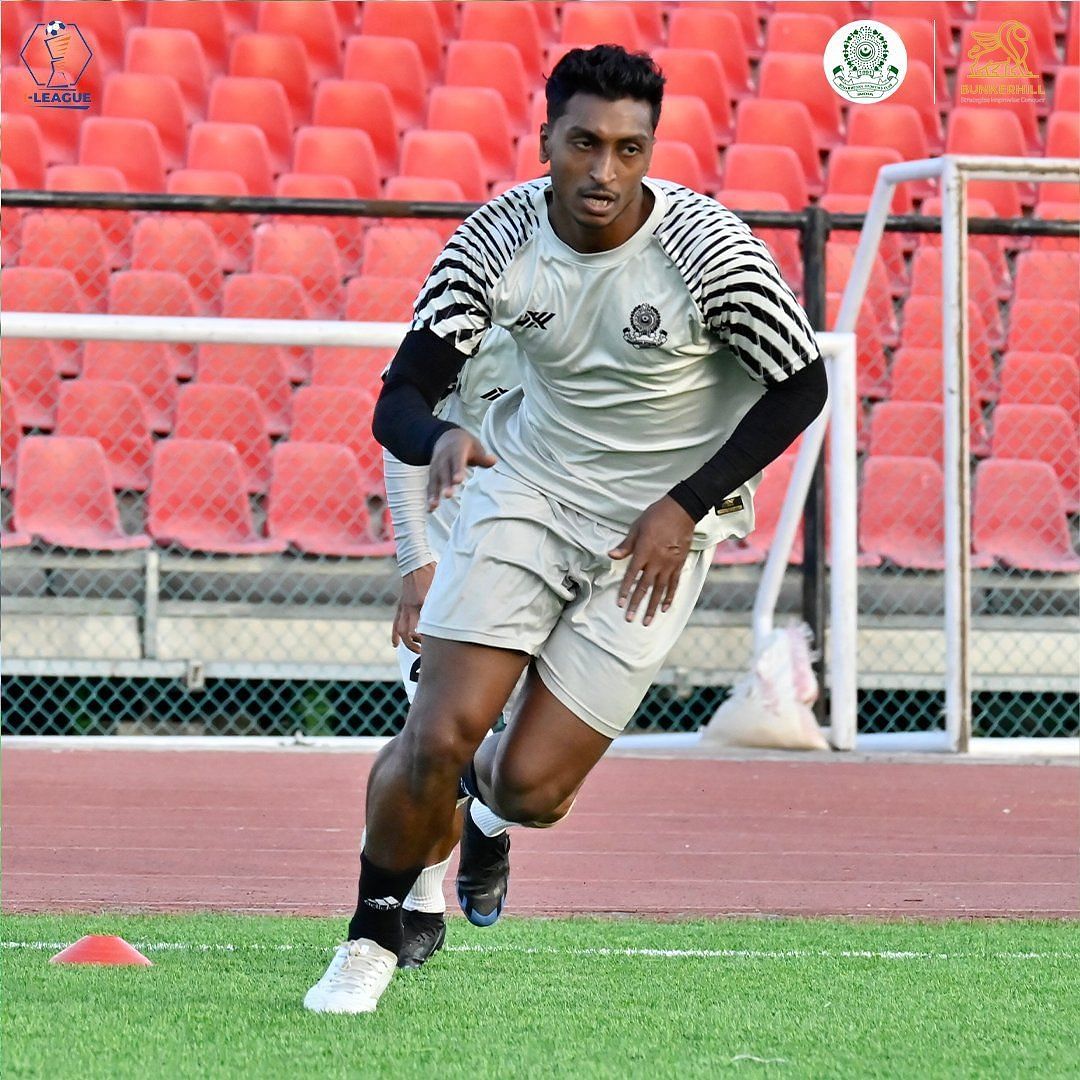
x: 545, y: 139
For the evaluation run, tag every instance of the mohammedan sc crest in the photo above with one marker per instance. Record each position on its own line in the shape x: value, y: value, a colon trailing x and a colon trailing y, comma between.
x: 865, y: 61
x: 644, y: 330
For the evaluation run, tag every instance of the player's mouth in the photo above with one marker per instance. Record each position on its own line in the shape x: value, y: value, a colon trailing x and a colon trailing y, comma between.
x: 598, y: 203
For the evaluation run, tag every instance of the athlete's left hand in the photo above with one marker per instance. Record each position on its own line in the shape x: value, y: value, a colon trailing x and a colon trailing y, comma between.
x: 657, y: 545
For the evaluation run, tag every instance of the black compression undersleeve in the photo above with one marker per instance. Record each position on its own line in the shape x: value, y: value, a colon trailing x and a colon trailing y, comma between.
x: 769, y: 427
x: 420, y: 375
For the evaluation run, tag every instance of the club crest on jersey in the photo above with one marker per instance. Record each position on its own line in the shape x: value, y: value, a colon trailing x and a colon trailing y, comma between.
x: 644, y: 330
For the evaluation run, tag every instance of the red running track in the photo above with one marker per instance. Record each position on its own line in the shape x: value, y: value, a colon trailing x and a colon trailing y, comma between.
x: 277, y: 831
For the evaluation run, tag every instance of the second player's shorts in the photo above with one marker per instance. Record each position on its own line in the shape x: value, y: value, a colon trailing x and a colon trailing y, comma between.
x: 522, y: 571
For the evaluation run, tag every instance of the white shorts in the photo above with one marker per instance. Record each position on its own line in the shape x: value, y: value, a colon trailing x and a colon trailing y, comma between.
x: 522, y: 571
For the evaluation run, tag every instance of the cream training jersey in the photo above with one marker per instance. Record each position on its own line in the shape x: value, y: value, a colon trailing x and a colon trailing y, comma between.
x: 637, y: 363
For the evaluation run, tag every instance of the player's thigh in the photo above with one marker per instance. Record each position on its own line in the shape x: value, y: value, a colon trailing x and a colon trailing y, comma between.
x: 601, y: 666
x: 545, y: 752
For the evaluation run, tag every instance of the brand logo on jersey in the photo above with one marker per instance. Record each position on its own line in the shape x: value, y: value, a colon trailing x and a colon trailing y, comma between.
x: 729, y: 506
x: 644, y: 330
x: 537, y: 319
x: 494, y: 392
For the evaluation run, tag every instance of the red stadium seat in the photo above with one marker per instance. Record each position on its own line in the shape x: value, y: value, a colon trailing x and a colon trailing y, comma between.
x: 198, y: 499
x: 872, y: 374
x: 63, y: 495
x: 598, y: 23
x: 380, y: 299
x: 262, y: 102
x: 1063, y: 135
x: 480, y: 112
x: 496, y: 65
x: 358, y: 369
x: 921, y: 45
x: 115, y: 224
x: 1072, y: 36
x: 891, y: 246
x: 916, y: 375
x: 368, y: 106
x: 261, y: 369
x: 156, y: 98
x: 417, y: 21
x: 307, y: 253
x: 990, y: 247
x: 147, y: 366
x: 41, y: 288
x: 32, y: 374
x: 317, y: 500
x: 132, y: 146
x: 766, y: 168
x: 917, y: 90
x: 153, y: 51
x: 719, y: 31
x: 270, y: 296
x: 157, y: 292
x: 799, y: 32
x: 112, y: 413
x: 976, y: 129
x: 926, y: 280
x: 1019, y: 516
x: 895, y: 127
x: 276, y: 56
x: 783, y: 244
x: 902, y: 512
x: 347, y: 231
x: 233, y: 232
x: 341, y: 150
x: 425, y: 189
x: 331, y: 414
x: 239, y: 148
x: 527, y: 165
x: 105, y: 24
x: 1067, y: 89
x: 207, y: 20
x: 397, y: 64
x: 446, y: 154
x: 935, y: 11
x: 57, y: 130
x: 71, y: 242
x: 801, y: 77
x: 768, y: 501
x: 699, y: 72
x: 516, y: 25
x: 782, y: 123
x: 10, y: 433
x: 316, y: 26
x: 395, y: 251
x: 232, y: 414
x: 1035, y: 16
x: 1043, y: 326
x: 922, y: 330
x: 839, y: 260
x: 908, y: 429
x: 187, y: 247
x: 686, y: 119
x: 671, y: 160
x: 1029, y: 378
x: 1006, y: 197
x: 853, y: 170
x: 748, y: 17
x: 839, y: 11
x: 1041, y: 433
x: 1047, y: 275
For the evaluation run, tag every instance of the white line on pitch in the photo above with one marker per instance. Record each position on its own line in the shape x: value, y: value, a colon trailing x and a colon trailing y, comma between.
x: 553, y: 950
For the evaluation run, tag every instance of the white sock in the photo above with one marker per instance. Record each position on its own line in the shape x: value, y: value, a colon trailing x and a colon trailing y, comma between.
x: 487, y: 821
x: 427, y: 891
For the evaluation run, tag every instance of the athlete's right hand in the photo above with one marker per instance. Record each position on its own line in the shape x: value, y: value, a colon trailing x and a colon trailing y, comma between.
x: 454, y: 452
x: 414, y: 590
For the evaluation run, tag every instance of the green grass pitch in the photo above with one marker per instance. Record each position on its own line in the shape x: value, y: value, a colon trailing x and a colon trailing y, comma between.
x: 553, y: 998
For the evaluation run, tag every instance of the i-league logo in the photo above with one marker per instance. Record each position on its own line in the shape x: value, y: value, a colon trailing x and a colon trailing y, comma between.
x: 57, y: 56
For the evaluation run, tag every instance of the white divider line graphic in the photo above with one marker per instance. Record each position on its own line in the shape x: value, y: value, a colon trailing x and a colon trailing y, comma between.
x: 554, y: 950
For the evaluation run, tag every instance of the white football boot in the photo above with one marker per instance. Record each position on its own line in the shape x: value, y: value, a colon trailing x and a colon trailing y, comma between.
x: 355, y: 980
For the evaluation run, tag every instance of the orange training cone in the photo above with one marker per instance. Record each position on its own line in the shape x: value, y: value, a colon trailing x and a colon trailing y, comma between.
x: 101, y: 949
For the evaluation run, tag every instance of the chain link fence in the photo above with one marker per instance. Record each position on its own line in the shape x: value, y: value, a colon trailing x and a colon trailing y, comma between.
x: 195, y: 536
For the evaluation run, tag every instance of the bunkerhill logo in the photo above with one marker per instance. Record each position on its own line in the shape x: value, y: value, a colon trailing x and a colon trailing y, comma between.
x: 865, y: 61
x: 1000, y: 68
x: 57, y: 56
